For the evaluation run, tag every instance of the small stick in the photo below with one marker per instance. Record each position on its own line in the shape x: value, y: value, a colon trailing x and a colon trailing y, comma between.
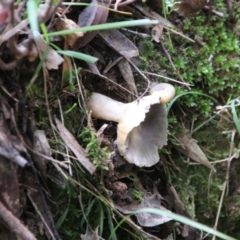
x: 119, y: 4
x: 142, y: 74
x: 219, y: 14
x: 15, y: 225
x: 143, y: 35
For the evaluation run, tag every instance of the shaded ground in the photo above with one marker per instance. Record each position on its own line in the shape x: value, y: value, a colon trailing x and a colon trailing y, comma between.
x: 61, y: 174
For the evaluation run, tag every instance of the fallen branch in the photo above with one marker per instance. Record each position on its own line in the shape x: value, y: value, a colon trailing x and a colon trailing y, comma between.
x: 15, y: 224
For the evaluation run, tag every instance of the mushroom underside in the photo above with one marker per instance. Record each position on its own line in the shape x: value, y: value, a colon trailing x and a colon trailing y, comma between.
x: 143, y: 141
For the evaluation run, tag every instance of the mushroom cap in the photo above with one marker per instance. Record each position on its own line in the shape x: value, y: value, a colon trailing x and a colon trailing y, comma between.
x: 143, y: 128
x: 165, y: 90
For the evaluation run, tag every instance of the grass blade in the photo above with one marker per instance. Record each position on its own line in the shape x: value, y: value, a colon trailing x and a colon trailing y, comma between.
x: 32, y: 8
x: 235, y: 116
x: 78, y: 55
x: 187, y: 221
x: 105, y: 26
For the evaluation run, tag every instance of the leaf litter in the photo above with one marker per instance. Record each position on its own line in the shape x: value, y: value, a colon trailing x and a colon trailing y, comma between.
x: 127, y: 84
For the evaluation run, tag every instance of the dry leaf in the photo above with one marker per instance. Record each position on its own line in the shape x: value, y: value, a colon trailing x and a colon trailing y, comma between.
x: 68, y: 24
x: 41, y: 145
x: 157, y: 33
x: 188, y: 8
x: 120, y: 43
x: 180, y: 209
x: 10, y: 147
x: 72, y: 143
x: 53, y: 59
x: 153, y: 15
x: 146, y: 219
x: 190, y: 148
x: 95, y: 13
x: 127, y: 74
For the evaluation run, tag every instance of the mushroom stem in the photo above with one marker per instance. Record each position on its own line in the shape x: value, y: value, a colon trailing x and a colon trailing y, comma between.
x: 105, y: 108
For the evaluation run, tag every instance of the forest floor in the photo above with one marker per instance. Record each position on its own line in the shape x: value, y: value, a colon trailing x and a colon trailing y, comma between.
x: 62, y: 174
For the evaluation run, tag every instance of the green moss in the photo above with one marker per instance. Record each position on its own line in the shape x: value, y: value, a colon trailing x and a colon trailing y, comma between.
x: 211, y: 63
x: 149, y: 57
x: 98, y: 155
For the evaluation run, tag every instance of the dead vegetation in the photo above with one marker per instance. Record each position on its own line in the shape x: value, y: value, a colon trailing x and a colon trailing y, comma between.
x: 62, y: 174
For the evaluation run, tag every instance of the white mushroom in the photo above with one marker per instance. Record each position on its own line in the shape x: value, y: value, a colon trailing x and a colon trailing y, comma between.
x: 142, y: 125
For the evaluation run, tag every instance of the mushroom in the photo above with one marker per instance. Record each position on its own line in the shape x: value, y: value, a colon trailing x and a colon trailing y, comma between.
x: 142, y: 124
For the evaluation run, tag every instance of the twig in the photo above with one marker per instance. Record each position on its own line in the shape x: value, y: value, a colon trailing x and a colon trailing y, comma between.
x: 45, y: 89
x: 143, y: 35
x: 117, y: 4
x: 111, y: 64
x: 168, y: 78
x: 8, y: 148
x: 66, y: 147
x: 40, y: 215
x: 50, y: 11
x: 60, y: 163
x: 44, y: 15
x: 15, y: 224
x: 14, y: 156
x: 226, y: 182
x: 13, y: 31
x: 11, y: 11
x: 7, y: 66
x: 180, y: 34
x: 19, y: 51
x: 19, y: 10
x: 67, y: 8
x: 6, y: 91
x: 173, y: 66
x: 219, y: 14
x: 143, y: 75
x: 80, y: 86
x: 110, y: 80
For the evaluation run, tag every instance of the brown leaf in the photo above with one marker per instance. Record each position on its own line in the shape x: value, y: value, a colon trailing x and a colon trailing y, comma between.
x: 72, y: 143
x: 92, y: 15
x: 68, y: 24
x: 188, y: 8
x: 120, y: 43
x: 153, y: 15
x: 190, y: 148
x: 41, y: 145
x: 157, y: 33
x: 127, y: 74
x: 144, y: 218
